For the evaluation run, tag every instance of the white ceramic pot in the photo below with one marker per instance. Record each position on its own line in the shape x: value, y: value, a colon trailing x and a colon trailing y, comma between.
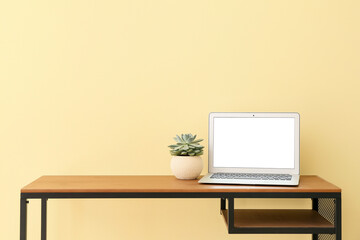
x: 186, y: 167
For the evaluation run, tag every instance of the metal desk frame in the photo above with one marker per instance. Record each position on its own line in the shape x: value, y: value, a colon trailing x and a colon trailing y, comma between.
x: 328, y: 204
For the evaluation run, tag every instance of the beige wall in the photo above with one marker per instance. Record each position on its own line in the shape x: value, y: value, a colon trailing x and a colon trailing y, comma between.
x: 101, y: 87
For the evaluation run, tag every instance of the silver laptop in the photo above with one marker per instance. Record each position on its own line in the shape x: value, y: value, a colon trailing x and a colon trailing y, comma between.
x: 254, y: 149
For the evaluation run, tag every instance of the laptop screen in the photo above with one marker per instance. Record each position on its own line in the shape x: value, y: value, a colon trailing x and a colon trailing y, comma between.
x: 241, y: 142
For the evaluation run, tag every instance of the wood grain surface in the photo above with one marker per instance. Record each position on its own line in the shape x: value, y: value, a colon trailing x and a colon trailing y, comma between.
x: 285, y: 218
x: 81, y: 184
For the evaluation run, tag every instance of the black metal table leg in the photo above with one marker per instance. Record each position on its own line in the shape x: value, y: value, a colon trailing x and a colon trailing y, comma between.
x: 23, y: 218
x: 230, y: 215
x: 222, y: 203
x: 315, y: 206
x: 43, y: 218
x: 338, y: 218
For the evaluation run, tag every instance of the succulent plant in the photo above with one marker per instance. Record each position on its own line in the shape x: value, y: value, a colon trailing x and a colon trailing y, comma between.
x: 186, y: 145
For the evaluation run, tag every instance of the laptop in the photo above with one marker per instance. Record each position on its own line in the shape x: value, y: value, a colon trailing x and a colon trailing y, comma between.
x: 254, y: 149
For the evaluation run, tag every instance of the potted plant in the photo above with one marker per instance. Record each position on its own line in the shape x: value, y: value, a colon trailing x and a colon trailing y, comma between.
x: 186, y: 162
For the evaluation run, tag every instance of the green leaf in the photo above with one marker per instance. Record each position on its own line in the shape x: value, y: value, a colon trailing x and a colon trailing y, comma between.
x: 197, y: 146
x: 186, y: 145
x: 193, y: 138
x: 178, y: 148
x: 177, y: 139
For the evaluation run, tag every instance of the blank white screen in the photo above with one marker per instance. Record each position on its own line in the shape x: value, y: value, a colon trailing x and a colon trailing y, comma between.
x: 254, y: 142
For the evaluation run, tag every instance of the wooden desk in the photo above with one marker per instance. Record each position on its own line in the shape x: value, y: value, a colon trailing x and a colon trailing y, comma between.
x: 324, y: 217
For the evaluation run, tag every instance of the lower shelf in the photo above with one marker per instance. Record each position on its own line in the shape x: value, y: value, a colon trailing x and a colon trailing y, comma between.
x: 278, y: 221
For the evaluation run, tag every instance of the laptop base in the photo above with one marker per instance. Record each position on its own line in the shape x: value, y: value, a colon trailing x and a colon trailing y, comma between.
x: 293, y: 182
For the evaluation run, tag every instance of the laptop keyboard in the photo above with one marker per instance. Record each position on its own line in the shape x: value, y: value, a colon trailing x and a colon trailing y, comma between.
x: 252, y: 176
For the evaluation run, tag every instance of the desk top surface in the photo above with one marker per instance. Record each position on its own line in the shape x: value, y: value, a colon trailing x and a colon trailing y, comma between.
x: 143, y: 184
